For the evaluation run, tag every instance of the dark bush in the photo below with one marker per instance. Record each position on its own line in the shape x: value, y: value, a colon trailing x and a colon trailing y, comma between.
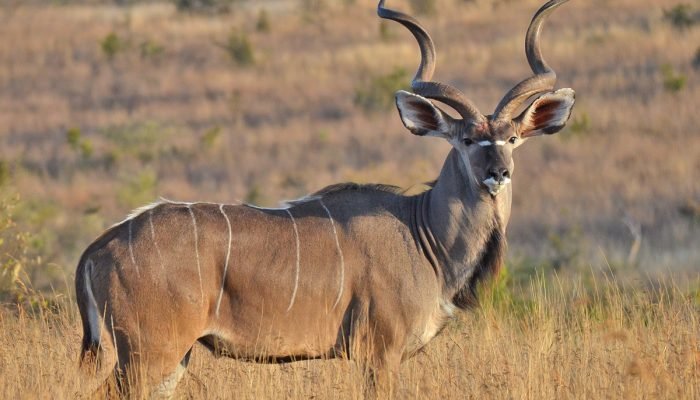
x: 209, y: 6
x: 681, y: 16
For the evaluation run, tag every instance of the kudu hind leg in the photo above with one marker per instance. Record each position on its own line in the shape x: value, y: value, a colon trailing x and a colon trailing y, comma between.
x: 376, y: 343
x: 149, y: 370
x: 383, y: 378
x: 385, y: 352
x: 380, y: 357
x: 167, y: 386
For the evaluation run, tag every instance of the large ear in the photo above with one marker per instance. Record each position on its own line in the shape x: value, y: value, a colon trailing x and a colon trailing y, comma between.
x: 420, y: 116
x: 546, y: 115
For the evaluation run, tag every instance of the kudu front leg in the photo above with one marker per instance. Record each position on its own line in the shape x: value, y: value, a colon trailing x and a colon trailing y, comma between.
x: 382, y: 378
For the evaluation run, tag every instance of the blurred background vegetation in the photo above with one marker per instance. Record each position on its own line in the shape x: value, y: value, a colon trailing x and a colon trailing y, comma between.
x: 109, y: 105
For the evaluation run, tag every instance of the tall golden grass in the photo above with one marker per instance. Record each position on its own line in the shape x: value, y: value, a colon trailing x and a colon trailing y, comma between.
x: 551, y: 338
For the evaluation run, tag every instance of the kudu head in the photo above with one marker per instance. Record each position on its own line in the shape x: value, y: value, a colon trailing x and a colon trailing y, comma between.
x: 484, y: 142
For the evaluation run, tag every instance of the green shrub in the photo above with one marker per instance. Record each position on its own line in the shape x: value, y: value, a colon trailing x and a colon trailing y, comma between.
x: 85, y: 149
x: 81, y: 146
x: 580, y: 125
x: 112, y: 45
x: 378, y: 93
x: 255, y: 196
x: 73, y: 137
x: 674, y: 81
x: 151, y: 49
x: 211, y: 137
x: 500, y: 294
x: 696, y: 59
x: 240, y: 49
x: 263, y: 23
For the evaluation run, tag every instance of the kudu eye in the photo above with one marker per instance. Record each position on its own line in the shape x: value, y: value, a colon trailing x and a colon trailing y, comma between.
x: 513, y: 140
x: 468, y: 142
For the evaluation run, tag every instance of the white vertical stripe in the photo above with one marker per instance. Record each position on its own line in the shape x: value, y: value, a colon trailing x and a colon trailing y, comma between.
x: 131, y: 248
x: 196, y: 251
x: 153, y: 237
x: 340, y: 253
x: 114, y: 339
x: 296, y: 278
x: 228, y: 255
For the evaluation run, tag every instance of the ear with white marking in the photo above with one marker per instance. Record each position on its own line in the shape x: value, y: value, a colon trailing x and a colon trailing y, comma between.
x: 547, y: 115
x: 420, y: 116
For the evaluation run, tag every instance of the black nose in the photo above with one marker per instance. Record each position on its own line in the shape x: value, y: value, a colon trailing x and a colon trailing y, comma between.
x: 499, y: 174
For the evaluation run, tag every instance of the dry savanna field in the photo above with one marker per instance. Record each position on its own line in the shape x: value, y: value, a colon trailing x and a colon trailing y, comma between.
x: 106, y: 106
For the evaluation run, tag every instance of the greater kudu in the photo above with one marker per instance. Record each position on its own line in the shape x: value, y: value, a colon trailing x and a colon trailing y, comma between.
x: 349, y: 267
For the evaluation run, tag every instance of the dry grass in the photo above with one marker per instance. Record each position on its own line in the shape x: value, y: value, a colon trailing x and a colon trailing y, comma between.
x: 552, y: 339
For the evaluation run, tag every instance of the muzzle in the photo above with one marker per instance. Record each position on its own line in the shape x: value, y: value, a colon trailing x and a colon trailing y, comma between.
x: 498, y: 179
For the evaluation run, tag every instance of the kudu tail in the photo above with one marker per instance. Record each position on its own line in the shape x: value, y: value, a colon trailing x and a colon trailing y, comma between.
x: 91, y: 348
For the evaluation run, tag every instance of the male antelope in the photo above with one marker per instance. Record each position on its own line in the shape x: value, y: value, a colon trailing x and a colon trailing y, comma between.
x: 349, y: 267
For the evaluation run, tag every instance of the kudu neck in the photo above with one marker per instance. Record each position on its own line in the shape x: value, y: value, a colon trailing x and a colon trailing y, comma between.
x: 456, y: 185
x: 458, y: 217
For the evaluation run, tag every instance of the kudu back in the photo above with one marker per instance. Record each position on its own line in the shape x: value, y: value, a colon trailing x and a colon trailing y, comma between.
x: 356, y: 271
